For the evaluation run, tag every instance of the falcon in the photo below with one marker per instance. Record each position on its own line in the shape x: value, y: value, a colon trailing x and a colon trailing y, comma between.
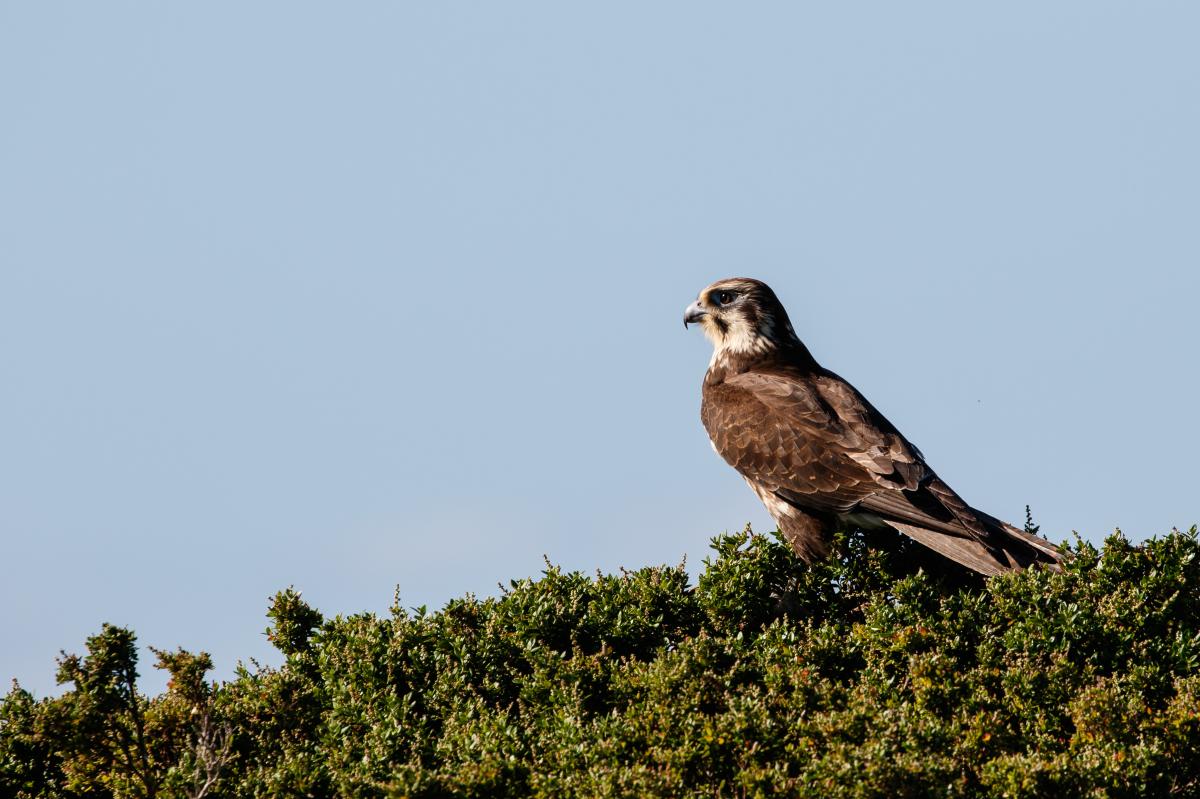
x: 818, y: 455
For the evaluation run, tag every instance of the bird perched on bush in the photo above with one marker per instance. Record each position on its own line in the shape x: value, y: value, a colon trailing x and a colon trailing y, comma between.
x: 818, y: 454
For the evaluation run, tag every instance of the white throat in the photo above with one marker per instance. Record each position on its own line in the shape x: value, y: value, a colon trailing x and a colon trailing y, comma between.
x: 740, y: 339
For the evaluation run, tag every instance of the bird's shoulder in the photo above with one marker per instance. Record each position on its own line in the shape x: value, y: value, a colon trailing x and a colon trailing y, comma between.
x: 775, y: 387
x: 811, y: 396
x: 818, y: 406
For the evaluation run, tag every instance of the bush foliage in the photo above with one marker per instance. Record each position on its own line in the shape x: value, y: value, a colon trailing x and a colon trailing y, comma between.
x: 862, y: 676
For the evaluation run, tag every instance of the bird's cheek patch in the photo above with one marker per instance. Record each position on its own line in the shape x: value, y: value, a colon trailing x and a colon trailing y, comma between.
x: 715, y: 330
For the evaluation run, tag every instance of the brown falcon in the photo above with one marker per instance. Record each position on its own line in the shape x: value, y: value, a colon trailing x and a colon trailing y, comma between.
x: 820, y: 456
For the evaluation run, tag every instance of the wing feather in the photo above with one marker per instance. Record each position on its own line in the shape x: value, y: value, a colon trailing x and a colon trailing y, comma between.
x: 813, y: 440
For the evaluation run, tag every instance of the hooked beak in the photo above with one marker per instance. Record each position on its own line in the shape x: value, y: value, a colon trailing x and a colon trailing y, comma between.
x: 694, y: 313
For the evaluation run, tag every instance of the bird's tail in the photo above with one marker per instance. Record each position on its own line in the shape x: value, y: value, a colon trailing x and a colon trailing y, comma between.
x: 1008, y: 548
x: 1044, y: 552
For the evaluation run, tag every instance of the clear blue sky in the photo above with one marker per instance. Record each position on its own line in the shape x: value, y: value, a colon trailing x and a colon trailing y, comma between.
x: 357, y: 295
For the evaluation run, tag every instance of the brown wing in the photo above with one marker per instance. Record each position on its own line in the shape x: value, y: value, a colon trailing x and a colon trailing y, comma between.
x: 811, y: 438
x: 817, y: 443
x: 813, y: 441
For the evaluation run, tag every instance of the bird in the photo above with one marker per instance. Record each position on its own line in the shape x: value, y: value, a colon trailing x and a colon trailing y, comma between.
x: 819, y: 456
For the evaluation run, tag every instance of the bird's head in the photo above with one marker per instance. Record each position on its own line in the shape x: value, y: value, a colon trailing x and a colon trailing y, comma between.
x: 742, y: 316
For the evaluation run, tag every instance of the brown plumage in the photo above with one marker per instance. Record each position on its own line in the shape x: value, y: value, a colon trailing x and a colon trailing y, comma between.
x: 818, y: 454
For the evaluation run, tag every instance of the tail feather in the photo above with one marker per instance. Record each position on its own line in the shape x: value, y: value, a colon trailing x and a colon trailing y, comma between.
x: 1008, y: 549
x: 1047, y: 553
x: 966, y: 551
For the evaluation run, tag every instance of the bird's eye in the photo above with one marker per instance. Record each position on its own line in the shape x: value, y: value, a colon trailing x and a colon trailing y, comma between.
x: 723, y: 297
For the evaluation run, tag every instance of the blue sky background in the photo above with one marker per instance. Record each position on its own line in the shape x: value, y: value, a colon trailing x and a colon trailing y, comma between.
x: 345, y: 297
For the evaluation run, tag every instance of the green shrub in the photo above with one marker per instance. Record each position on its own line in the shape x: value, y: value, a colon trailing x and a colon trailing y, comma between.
x: 863, y: 676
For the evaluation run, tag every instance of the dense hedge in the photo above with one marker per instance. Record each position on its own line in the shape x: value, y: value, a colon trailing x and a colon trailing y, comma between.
x: 861, y: 676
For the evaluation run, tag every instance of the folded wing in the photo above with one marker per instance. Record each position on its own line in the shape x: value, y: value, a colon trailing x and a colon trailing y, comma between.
x: 813, y: 441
